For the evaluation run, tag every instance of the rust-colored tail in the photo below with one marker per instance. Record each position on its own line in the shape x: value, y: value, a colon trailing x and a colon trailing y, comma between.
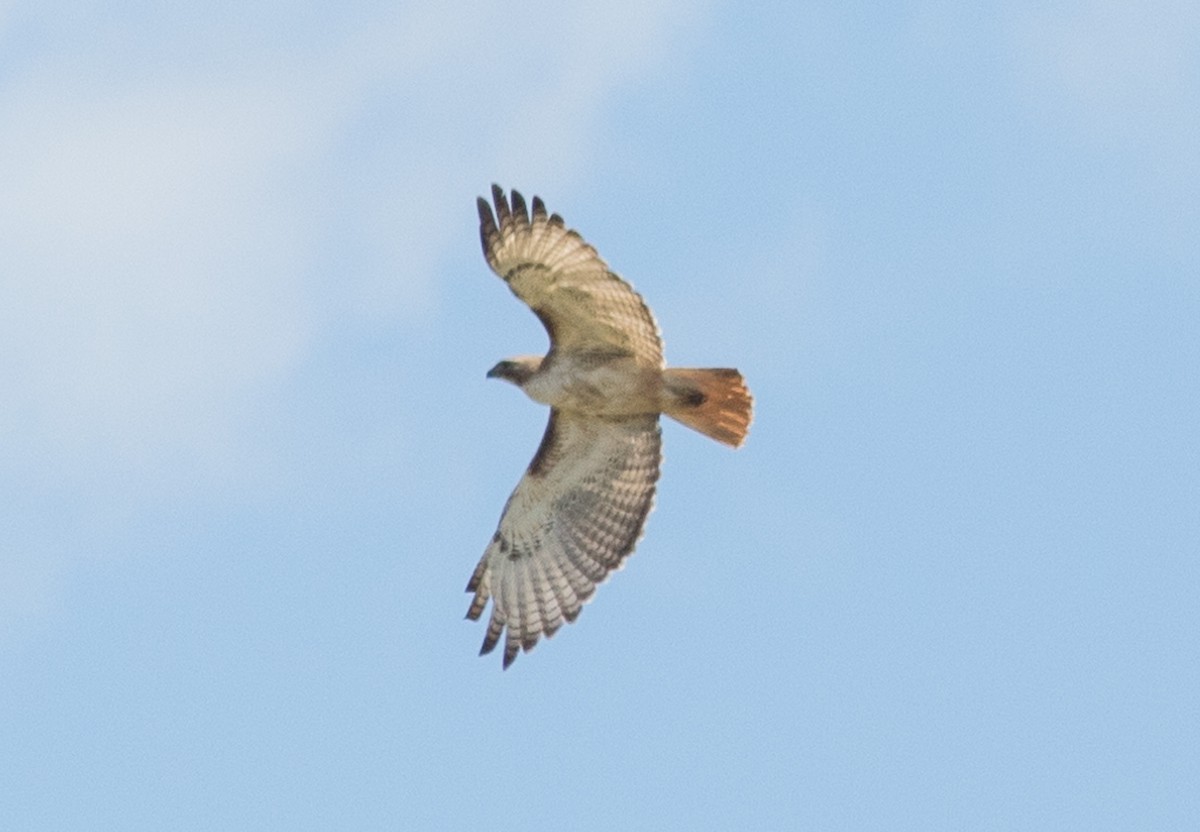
x: 714, y: 402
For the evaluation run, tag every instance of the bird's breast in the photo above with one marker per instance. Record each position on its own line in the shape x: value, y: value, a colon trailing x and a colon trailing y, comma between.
x: 604, y: 386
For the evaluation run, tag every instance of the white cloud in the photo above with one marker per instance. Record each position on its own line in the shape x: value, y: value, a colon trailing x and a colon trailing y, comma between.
x: 179, y: 218
x: 149, y: 261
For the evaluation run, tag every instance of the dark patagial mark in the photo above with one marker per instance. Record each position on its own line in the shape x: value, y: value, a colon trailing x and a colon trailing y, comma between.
x: 547, y: 322
x: 545, y: 452
x: 600, y: 356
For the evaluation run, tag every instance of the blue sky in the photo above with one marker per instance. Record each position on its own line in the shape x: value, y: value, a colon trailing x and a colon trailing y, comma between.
x: 248, y: 456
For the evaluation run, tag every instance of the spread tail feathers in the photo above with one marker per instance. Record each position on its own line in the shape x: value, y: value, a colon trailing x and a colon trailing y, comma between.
x: 714, y: 402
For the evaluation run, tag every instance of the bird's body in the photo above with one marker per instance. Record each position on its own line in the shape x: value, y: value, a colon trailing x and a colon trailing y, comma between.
x: 582, y: 504
x: 598, y: 384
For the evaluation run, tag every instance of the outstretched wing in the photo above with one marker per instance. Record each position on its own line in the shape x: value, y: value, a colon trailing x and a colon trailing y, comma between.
x: 564, y: 281
x: 573, y: 518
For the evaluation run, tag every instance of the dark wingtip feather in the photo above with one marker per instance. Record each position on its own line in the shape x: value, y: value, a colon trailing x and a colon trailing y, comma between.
x: 539, y: 209
x: 502, y: 210
x: 476, y: 608
x: 495, y: 627
x: 487, y: 226
x: 518, y: 206
x: 510, y: 653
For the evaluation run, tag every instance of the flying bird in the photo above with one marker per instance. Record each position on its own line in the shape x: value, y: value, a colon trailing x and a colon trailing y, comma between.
x: 580, y: 508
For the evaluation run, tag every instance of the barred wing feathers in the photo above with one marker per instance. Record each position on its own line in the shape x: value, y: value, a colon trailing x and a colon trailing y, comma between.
x: 582, y: 304
x: 573, y: 519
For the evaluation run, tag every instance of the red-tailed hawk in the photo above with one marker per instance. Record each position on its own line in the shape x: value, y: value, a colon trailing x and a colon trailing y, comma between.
x: 581, y: 506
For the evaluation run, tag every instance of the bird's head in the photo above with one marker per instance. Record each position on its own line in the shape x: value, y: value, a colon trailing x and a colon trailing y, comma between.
x: 516, y: 370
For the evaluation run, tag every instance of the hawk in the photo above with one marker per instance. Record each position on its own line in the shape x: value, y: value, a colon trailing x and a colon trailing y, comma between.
x: 580, y: 508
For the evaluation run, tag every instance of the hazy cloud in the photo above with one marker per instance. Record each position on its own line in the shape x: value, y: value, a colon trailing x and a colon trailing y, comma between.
x: 183, y: 209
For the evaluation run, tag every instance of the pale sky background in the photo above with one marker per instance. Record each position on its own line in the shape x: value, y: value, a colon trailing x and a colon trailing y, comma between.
x: 248, y: 456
